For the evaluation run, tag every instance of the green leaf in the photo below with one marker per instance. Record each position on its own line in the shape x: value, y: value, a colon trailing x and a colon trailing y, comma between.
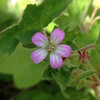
x: 74, y: 15
x: 95, y: 58
x: 6, y: 77
x: 62, y: 77
x: 79, y: 76
x: 47, y: 73
x: 62, y: 21
x: 8, y: 41
x: 73, y: 45
x: 25, y: 72
x: 81, y: 84
x: 70, y: 35
x: 37, y: 17
x: 30, y: 45
x: 3, y: 4
x: 34, y: 19
x: 74, y: 94
x: 85, y: 74
x: 44, y: 91
x: 77, y: 10
x: 55, y: 94
x: 6, y: 19
x: 85, y: 39
x: 97, y: 45
x: 77, y: 39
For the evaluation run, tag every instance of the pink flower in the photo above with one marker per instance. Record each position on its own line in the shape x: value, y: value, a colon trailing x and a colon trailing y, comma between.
x: 52, y: 47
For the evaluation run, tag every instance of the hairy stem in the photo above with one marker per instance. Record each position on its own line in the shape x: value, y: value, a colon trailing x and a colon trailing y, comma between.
x: 45, y: 33
x: 91, y: 67
x: 93, y: 13
x: 87, y: 47
x: 96, y: 18
x: 97, y: 91
x: 97, y: 87
x: 88, y: 25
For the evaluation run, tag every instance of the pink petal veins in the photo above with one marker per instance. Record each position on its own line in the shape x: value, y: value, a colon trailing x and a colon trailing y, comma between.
x: 40, y: 40
x: 55, y: 60
x: 63, y: 50
x: 39, y: 55
x: 57, y: 36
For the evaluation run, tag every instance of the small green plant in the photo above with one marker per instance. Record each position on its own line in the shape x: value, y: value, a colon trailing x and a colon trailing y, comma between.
x: 74, y: 23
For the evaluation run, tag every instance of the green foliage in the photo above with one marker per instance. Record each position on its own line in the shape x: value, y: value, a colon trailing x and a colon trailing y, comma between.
x: 71, y: 16
x: 88, y: 38
x: 8, y: 41
x: 7, y: 19
x: 61, y: 76
x: 78, y: 39
x: 85, y: 74
x: 95, y: 60
x: 74, y: 15
x: 43, y: 92
x: 47, y: 73
x: 6, y: 77
x: 34, y: 19
x: 20, y: 65
x: 3, y: 4
x: 73, y: 94
x: 98, y: 44
x: 52, y: 92
x: 79, y: 78
x: 77, y: 13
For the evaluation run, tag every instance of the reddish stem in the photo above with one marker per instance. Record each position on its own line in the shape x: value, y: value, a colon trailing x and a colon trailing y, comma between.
x: 88, y: 25
x: 93, y: 14
x: 88, y: 47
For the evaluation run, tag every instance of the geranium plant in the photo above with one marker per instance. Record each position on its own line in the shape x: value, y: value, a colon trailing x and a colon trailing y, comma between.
x: 63, y: 39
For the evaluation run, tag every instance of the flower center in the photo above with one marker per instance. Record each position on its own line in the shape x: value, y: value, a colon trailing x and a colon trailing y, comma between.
x: 51, y: 47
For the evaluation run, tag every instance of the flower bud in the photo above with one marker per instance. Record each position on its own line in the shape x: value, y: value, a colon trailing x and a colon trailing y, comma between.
x: 96, y: 3
x: 87, y: 19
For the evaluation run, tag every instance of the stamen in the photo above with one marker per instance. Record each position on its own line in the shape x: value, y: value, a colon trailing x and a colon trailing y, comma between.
x: 50, y: 47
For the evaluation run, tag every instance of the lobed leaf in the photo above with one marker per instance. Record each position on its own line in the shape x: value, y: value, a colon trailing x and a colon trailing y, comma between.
x: 25, y: 73
x: 85, y: 74
x: 34, y: 19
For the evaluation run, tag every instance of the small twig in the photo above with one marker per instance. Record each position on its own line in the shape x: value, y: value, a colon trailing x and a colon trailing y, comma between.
x: 85, y: 48
x: 88, y: 47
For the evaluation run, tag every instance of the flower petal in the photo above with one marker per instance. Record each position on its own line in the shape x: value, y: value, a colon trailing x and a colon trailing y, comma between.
x: 39, y: 55
x: 63, y: 50
x: 55, y: 60
x: 40, y: 40
x: 57, y: 36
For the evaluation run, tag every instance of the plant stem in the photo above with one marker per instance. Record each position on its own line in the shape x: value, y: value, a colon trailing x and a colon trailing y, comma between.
x: 97, y: 91
x: 93, y: 13
x: 44, y: 33
x: 85, y: 48
x: 88, y: 25
x: 91, y: 67
x: 96, y: 88
x: 88, y: 47
x: 96, y: 18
